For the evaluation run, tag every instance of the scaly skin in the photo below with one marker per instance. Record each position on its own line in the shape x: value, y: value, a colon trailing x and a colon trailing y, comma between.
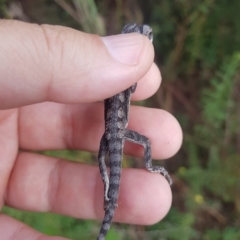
x: 112, y: 142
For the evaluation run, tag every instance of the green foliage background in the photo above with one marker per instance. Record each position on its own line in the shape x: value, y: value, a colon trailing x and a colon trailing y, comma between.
x: 197, y: 45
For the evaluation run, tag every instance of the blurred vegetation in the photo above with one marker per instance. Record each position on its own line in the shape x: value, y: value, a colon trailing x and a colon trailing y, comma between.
x: 197, y: 46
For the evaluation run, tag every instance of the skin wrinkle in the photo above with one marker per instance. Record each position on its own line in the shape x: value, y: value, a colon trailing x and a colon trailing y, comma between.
x: 48, y: 88
x: 18, y: 134
x: 16, y: 232
x: 57, y: 48
x: 42, y: 28
x: 88, y: 73
x: 8, y: 180
x: 75, y: 43
x: 60, y: 49
x: 39, y: 52
x: 65, y: 116
x: 58, y: 41
x: 54, y: 185
x: 74, y: 117
x: 61, y: 57
x: 69, y: 121
x: 70, y: 140
x: 48, y: 33
x: 32, y: 51
x: 26, y: 64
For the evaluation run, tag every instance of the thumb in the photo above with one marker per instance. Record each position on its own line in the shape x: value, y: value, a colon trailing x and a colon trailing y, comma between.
x: 53, y: 63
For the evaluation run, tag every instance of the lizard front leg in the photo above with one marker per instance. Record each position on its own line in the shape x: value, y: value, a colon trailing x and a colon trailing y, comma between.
x: 102, y: 165
x: 135, y: 137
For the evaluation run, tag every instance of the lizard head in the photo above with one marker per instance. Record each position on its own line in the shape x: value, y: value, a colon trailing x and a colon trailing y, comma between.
x: 142, y: 29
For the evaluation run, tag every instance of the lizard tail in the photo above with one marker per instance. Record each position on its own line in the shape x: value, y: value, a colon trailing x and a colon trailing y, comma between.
x: 115, y: 165
x: 106, y: 223
x: 113, y: 192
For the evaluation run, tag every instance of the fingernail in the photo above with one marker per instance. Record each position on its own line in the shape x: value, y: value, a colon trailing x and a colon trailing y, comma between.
x: 125, y: 48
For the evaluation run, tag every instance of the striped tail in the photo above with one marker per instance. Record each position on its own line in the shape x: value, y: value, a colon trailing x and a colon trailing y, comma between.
x: 106, y: 223
x: 115, y: 162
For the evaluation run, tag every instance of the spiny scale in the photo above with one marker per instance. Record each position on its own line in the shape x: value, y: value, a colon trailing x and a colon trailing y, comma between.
x: 116, y: 111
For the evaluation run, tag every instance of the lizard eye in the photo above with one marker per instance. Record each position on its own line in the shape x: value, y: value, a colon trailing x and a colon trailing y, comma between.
x: 147, y: 31
x: 150, y: 36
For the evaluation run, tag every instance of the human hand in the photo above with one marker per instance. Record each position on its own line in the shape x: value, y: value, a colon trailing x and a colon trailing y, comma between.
x: 50, y: 81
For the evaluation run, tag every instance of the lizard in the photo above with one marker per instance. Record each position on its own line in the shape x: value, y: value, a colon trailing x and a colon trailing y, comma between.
x: 116, y: 111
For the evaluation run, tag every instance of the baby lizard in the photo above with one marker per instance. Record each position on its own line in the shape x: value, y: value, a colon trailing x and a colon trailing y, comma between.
x: 116, y: 110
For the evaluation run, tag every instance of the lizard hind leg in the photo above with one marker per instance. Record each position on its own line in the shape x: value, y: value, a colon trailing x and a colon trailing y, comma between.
x: 135, y: 137
x: 102, y: 166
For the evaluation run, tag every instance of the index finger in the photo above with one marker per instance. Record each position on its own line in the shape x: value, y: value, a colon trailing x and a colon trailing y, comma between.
x: 42, y: 183
x: 49, y: 126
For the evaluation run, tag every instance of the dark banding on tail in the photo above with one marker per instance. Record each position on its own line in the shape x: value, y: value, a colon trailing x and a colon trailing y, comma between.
x: 106, y: 223
x: 115, y: 161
